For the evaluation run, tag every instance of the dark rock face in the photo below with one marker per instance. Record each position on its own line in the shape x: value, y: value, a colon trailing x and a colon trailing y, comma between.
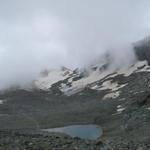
x: 142, y: 50
x: 144, y: 100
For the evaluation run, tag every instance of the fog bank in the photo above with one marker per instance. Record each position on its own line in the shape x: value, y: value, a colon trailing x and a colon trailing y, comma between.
x: 39, y: 34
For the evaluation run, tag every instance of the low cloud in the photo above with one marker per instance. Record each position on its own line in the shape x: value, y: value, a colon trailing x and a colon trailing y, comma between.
x: 39, y: 34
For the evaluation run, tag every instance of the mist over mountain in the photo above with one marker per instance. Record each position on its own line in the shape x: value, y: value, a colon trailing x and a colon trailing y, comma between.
x: 75, y: 74
x: 37, y: 35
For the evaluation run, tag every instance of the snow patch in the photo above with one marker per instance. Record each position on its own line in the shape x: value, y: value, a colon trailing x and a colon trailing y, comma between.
x: 96, y: 76
x: 111, y: 95
x: 56, y: 75
x: 82, y: 83
x: 119, y: 106
x: 112, y: 76
x: 1, y: 102
x: 135, y: 68
x: 120, y: 109
x: 53, y: 76
x: 109, y: 85
x: 114, y: 86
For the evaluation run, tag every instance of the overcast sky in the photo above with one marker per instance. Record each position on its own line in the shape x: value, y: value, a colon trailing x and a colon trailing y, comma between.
x: 39, y: 34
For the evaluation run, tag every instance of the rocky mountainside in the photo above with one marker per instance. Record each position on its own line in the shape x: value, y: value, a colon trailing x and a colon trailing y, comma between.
x: 99, y: 77
x: 116, y: 99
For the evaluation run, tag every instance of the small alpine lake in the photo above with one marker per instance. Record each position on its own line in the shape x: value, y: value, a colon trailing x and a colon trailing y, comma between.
x: 90, y: 132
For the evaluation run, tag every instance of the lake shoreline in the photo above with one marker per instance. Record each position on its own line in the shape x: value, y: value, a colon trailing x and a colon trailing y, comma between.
x: 37, y: 140
x: 25, y: 111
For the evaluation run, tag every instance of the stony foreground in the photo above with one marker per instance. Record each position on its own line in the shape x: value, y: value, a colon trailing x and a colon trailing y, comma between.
x: 16, y: 140
x: 35, y: 140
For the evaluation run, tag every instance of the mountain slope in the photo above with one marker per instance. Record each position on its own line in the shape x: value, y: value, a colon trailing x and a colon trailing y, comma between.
x: 96, y: 77
x: 70, y: 82
x: 118, y: 100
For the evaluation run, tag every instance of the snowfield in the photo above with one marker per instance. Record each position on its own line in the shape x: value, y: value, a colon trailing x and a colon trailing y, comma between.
x: 73, y: 86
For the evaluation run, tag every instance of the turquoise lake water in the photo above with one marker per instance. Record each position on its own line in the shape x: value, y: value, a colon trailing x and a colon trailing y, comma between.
x: 91, y: 132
